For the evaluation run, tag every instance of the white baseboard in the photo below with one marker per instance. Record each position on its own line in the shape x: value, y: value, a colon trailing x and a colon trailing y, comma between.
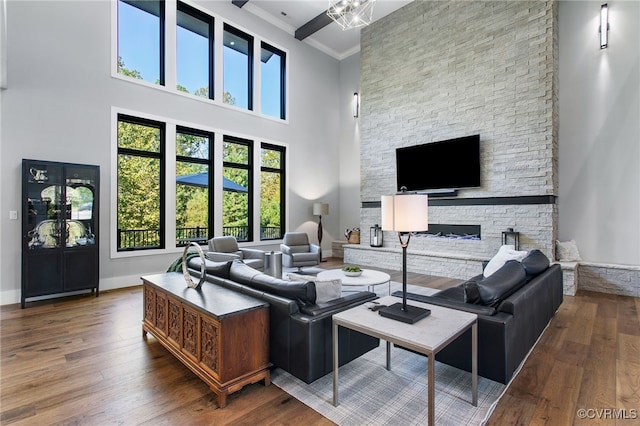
x: 9, y: 297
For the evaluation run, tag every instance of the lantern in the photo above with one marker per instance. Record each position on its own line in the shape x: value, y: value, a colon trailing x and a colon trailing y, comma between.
x: 375, y: 236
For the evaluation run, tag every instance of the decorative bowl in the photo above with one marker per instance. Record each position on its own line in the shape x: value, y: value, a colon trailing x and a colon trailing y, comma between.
x: 352, y: 273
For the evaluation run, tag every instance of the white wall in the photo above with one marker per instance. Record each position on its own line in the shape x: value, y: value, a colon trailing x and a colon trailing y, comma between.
x: 599, y: 141
x: 349, y: 158
x: 58, y: 107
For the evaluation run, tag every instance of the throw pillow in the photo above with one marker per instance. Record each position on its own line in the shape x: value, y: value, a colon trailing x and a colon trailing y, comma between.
x: 328, y: 290
x: 505, y: 253
x: 325, y: 290
x: 300, y: 277
x: 567, y: 251
x: 502, y: 283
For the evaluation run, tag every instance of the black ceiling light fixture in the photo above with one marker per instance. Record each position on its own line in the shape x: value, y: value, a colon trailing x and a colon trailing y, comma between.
x: 239, y: 3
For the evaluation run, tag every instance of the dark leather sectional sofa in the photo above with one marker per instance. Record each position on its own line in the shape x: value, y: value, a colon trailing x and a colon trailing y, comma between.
x: 514, y: 305
x: 299, y: 329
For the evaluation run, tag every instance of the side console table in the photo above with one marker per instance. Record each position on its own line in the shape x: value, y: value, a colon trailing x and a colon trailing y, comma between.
x: 220, y: 335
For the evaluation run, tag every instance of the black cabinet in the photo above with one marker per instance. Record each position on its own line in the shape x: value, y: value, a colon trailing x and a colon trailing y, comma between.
x: 59, y: 228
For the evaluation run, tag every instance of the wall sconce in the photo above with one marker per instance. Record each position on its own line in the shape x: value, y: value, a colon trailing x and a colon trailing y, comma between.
x: 604, y: 26
x: 356, y: 105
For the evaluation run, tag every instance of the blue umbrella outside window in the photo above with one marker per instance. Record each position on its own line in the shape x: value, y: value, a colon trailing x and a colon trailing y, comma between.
x: 202, y: 180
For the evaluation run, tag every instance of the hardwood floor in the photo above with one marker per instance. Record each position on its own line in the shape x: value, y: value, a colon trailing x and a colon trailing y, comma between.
x: 82, y: 360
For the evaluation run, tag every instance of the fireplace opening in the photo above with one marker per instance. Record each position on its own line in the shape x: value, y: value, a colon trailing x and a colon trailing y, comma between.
x: 455, y: 232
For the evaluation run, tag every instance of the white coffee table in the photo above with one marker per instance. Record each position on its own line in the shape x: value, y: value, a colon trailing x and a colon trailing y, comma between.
x: 427, y: 336
x: 369, y: 278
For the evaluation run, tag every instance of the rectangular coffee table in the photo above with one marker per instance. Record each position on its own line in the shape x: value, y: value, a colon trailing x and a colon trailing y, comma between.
x: 427, y: 336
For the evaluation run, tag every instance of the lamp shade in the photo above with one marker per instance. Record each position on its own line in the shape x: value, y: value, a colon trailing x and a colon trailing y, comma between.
x: 320, y: 209
x: 405, y: 212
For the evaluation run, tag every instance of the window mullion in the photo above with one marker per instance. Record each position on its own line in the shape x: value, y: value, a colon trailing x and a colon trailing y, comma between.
x: 170, y: 43
x: 163, y: 44
x: 218, y: 154
x: 218, y: 61
x: 257, y: 76
x: 257, y: 187
x: 170, y: 186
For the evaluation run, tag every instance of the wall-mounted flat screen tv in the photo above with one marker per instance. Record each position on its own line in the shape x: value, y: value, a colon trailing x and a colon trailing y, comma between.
x: 449, y: 164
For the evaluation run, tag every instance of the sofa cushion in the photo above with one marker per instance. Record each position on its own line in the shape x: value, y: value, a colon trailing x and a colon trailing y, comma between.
x: 257, y: 264
x: 449, y: 303
x: 502, y: 283
x: 452, y: 293
x: 305, y: 256
x: 467, y: 292
x: 303, y: 293
x: 505, y: 253
x: 534, y: 263
x: 471, y: 294
x: 219, y: 269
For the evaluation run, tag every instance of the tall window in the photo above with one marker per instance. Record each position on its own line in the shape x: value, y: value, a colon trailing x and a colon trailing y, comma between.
x: 273, y: 78
x: 194, y: 207
x: 272, y: 192
x: 238, y: 69
x: 194, y: 39
x: 141, y: 39
x: 140, y: 202
x: 237, y: 177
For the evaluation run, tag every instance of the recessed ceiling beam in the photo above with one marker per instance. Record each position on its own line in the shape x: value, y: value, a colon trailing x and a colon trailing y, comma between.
x: 313, y: 25
x: 239, y: 3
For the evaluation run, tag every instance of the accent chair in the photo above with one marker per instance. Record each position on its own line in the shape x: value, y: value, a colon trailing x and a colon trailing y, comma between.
x: 298, y: 252
x: 222, y: 249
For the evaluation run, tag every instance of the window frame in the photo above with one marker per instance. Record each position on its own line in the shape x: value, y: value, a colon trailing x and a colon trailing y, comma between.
x: 168, y: 76
x: 210, y: 20
x: 161, y: 41
x: 161, y: 156
x: 168, y: 223
x: 226, y: 27
x: 209, y: 162
x: 250, y: 173
x: 283, y: 77
x: 283, y: 176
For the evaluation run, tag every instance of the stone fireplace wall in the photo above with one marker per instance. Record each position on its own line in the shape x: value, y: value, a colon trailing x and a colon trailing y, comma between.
x: 439, y: 70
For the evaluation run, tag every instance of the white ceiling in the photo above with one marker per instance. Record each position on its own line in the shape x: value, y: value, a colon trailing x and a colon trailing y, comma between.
x: 290, y: 15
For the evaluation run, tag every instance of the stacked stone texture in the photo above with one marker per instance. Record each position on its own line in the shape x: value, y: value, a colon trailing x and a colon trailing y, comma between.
x: 614, y: 279
x: 439, y: 70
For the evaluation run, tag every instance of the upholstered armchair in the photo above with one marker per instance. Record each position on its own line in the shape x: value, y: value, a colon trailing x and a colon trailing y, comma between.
x: 222, y: 249
x: 298, y: 252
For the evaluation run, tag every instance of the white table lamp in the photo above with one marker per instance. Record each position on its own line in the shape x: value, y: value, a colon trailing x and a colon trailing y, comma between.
x: 405, y: 213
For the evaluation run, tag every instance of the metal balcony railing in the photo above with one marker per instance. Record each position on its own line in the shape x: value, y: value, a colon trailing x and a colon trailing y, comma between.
x: 129, y: 239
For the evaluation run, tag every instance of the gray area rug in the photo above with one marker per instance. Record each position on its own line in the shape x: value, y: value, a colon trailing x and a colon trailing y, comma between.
x: 371, y: 395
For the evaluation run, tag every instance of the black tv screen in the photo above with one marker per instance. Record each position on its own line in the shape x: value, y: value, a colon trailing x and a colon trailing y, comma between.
x: 449, y: 164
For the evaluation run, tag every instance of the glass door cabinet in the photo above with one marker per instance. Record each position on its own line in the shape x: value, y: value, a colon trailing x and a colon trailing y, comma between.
x: 59, y: 228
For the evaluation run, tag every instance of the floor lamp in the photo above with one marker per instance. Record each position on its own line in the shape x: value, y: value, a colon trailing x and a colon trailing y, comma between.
x: 320, y: 209
x: 404, y: 213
